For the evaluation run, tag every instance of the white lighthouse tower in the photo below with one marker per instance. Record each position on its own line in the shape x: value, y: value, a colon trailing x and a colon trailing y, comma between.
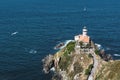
x: 84, y: 31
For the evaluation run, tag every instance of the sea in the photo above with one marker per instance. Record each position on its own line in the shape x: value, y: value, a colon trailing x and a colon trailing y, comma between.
x: 29, y: 30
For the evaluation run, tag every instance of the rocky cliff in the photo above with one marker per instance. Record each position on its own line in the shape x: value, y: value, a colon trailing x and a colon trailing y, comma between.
x: 81, y: 62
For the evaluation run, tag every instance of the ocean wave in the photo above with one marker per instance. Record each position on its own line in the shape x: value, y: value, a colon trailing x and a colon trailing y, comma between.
x: 99, y: 46
x: 14, y: 33
x: 117, y: 55
x: 65, y: 44
x: 32, y: 51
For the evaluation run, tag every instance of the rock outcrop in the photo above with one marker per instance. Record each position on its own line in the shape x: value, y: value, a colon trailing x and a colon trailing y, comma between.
x: 74, y: 62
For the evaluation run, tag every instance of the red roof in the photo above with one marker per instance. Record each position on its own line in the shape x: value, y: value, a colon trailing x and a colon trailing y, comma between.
x: 85, y: 39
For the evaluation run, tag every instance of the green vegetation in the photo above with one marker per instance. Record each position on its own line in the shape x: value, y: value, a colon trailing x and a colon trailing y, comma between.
x: 90, y: 55
x: 90, y: 66
x: 70, y: 47
x: 65, y: 59
x: 87, y: 71
x: 77, y: 68
x: 81, y: 43
x: 97, y: 52
x: 64, y: 62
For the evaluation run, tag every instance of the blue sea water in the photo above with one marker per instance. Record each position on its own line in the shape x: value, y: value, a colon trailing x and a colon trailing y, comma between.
x: 41, y: 24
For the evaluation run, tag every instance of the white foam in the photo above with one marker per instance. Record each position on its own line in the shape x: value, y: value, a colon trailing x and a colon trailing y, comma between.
x: 32, y: 51
x: 52, y: 69
x: 66, y: 42
x: 99, y: 46
x: 14, y: 33
x: 116, y: 54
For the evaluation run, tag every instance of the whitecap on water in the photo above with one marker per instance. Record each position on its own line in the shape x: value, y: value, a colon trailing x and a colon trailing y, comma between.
x: 32, y: 51
x: 14, y: 33
x: 116, y: 54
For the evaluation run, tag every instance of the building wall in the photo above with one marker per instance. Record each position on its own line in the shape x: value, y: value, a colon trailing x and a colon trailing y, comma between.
x: 76, y: 38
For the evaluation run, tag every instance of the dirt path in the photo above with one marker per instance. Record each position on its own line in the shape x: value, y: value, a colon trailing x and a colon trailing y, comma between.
x: 95, y: 61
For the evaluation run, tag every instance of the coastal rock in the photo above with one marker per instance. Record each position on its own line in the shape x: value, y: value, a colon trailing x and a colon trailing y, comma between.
x: 48, y: 63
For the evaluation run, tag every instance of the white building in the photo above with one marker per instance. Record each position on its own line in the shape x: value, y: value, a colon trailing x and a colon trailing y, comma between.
x: 83, y: 37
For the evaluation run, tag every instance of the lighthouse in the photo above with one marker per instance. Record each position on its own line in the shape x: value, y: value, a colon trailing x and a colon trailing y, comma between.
x: 84, y: 31
x: 83, y: 37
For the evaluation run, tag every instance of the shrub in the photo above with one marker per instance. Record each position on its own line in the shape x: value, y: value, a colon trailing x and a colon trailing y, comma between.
x: 81, y: 43
x: 90, y: 66
x: 90, y: 55
x: 87, y: 72
x: 70, y: 47
x: 97, y: 52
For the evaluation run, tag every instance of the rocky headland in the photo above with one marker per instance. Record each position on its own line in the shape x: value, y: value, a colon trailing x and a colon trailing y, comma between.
x: 79, y: 60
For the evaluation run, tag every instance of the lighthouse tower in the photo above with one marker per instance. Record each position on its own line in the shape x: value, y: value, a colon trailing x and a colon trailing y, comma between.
x: 84, y: 31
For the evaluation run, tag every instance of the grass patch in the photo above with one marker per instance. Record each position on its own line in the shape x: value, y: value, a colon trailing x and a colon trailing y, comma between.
x: 88, y: 71
x: 97, y: 52
x: 77, y: 68
x: 65, y: 62
x: 111, y: 71
x: 66, y: 58
x: 70, y: 47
